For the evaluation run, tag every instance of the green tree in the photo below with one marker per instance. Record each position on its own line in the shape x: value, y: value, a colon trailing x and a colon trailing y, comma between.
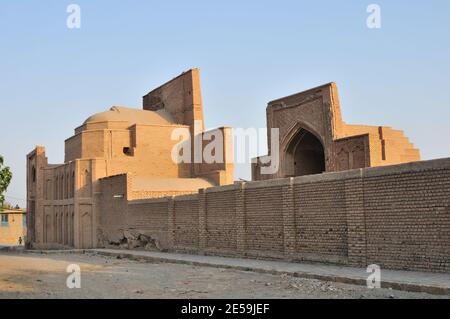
x: 5, y: 179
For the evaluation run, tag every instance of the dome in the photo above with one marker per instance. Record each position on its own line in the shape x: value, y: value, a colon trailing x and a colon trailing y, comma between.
x: 132, y: 116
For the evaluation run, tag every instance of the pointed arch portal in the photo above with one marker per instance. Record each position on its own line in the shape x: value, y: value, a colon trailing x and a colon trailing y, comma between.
x: 304, y: 154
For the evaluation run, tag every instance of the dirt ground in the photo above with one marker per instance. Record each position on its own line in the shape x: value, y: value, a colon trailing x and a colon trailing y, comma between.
x: 44, y: 276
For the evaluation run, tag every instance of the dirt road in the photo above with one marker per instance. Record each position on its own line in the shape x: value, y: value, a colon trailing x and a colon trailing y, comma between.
x: 44, y: 276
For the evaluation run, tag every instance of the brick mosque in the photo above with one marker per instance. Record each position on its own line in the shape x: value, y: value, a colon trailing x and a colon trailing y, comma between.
x: 344, y: 194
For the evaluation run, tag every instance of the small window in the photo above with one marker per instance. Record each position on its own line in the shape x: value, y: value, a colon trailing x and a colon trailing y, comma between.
x: 5, y: 220
x: 24, y: 220
x: 127, y: 151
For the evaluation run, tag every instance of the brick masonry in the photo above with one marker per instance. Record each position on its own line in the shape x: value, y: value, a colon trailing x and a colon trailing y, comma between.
x: 311, y: 132
x: 396, y: 216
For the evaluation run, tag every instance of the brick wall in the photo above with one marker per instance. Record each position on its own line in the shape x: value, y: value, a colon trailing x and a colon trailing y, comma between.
x: 186, y: 221
x: 221, y: 220
x: 321, y: 221
x: 416, y: 231
x: 113, y: 208
x: 149, y: 218
x: 397, y: 217
x: 264, y: 220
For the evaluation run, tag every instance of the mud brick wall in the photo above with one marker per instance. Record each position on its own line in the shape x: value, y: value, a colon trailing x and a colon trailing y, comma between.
x: 149, y: 218
x: 220, y: 227
x: 186, y: 222
x: 397, y: 217
x: 408, y: 219
x: 264, y: 232
x: 320, y: 220
x: 113, y: 206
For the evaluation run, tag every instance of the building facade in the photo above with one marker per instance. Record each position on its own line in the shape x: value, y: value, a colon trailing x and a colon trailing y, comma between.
x: 13, y: 227
x: 344, y: 194
x: 314, y: 139
x: 63, y: 199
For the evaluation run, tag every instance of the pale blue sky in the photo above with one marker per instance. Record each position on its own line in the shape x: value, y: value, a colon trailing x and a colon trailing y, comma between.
x: 250, y: 52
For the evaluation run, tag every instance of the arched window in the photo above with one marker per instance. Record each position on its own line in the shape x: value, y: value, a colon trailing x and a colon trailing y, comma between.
x: 56, y: 190
x: 62, y: 186
x: 67, y: 185
x: 33, y: 174
x: 72, y: 185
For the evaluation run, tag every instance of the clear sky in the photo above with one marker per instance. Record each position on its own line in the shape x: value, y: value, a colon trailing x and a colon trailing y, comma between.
x: 249, y: 52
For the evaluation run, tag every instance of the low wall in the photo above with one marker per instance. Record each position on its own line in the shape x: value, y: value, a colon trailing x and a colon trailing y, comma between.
x: 396, y: 216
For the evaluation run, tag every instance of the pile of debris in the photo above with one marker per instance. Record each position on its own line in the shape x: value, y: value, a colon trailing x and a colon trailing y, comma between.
x: 131, y: 239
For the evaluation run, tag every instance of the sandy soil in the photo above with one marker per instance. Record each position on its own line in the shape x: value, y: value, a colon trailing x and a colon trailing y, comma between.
x: 44, y: 276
